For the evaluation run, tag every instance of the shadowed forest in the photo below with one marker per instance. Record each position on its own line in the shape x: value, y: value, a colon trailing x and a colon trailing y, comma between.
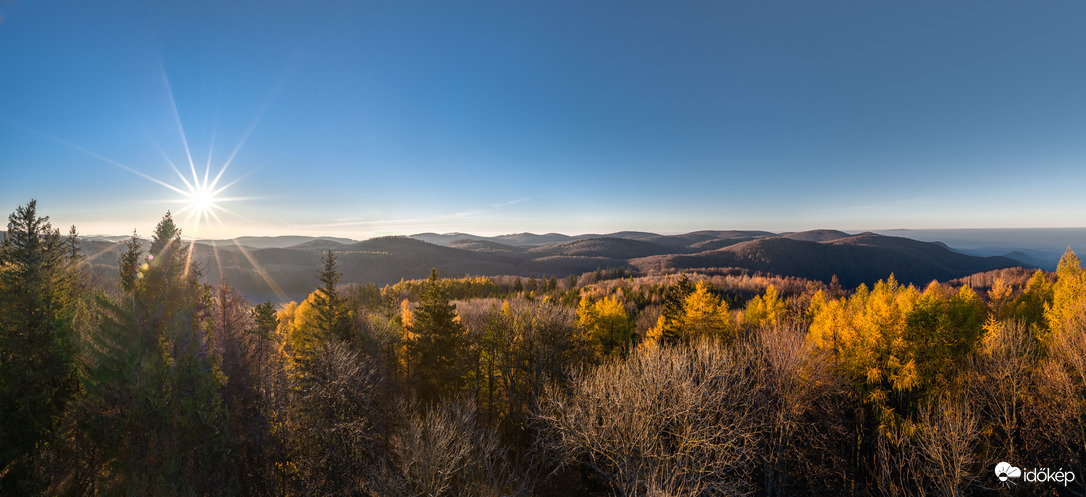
x: 629, y: 382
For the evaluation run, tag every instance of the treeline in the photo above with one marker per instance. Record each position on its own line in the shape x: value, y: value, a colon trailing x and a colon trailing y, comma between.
x: 605, y: 384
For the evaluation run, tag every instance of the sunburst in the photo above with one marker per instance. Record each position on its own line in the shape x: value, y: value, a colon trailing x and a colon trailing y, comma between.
x: 202, y: 197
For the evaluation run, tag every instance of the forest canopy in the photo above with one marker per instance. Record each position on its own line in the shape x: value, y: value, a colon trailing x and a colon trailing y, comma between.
x: 157, y: 381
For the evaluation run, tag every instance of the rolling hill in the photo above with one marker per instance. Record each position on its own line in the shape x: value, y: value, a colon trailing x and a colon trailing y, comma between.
x: 856, y: 259
x: 817, y: 235
x: 284, y: 268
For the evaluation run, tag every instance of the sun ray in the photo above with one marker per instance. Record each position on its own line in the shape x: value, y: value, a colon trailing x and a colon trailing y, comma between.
x: 107, y: 159
x: 107, y: 249
x: 218, y: 260
x: 188, y: 257
x: 228, y: 185
x: 216, y: 216
x: 173, y: 166
x: 180, y: 127
x: 261, y: 272
x: 256, y: 120
x: 210, y: 151
x: 235, y: 214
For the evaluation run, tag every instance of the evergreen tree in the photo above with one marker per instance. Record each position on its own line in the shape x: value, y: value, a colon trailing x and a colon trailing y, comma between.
x: 129, y: 262
x: 439, y: 345
x: 333, y: 319
x: 156, y: 381
x: 73, y: 250
x: 38, y: 376
x: 264, y: 321
x: 129, y: 267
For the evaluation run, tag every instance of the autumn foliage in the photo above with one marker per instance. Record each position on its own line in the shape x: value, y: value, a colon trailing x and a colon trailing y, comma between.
x: 633, y: 384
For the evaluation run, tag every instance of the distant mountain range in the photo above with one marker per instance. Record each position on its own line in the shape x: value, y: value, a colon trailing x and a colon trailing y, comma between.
x: 1041, y: 247
x: 279, y: 268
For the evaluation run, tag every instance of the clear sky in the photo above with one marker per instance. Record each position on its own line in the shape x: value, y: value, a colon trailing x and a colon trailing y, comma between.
x: 361, y: 118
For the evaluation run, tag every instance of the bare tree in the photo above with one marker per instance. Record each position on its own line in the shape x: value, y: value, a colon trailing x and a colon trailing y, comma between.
x: 667, y: 421
x: 443, y: 450
x: 1056, y: 409
x: 1001, y: 379
x: 337, y: 425
x: 898, y: 468
x: 947, y: 438
x: 801, y: 429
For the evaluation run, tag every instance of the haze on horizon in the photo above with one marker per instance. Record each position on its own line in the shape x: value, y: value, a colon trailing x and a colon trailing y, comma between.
x: 359, y: 119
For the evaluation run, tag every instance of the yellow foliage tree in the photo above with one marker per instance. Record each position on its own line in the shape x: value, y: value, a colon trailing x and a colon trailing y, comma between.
x: 1068, y: 297
x: 606, y: 325
x: 1030, y: 305
x: 999, y: 298
x: 304, y: 333
x: 896, y: 342
x: 706, y: 316
x: 764, y: 309
x: 867, y: 333
x: 407, y: 318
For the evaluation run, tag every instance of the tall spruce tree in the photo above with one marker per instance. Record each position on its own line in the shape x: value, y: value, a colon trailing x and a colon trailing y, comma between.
x: 439, y: 346
x: 332, y: 313
x: 73, y: 250
x: 129, y: 264
x: 38, y: 376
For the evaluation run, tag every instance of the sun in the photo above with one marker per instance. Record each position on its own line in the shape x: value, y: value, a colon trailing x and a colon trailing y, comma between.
x: 202, y: 198
x: 201, y: 202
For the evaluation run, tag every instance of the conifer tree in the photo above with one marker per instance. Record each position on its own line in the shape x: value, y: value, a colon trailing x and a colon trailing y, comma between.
x: 129, y: 267
x: 439, y: 343
x: 129, y: 262
x: 74, y: 252
x: 38, y: 376
x: 264, y: 321
x: 156, y: 380
x: 332, y: 314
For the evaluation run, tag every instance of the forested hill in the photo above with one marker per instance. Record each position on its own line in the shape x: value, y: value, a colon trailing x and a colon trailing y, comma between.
x: 278, y: 268
x: 856, y: 259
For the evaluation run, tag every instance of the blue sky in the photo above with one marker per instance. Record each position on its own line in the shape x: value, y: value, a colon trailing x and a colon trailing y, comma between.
x: 365, y: 118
